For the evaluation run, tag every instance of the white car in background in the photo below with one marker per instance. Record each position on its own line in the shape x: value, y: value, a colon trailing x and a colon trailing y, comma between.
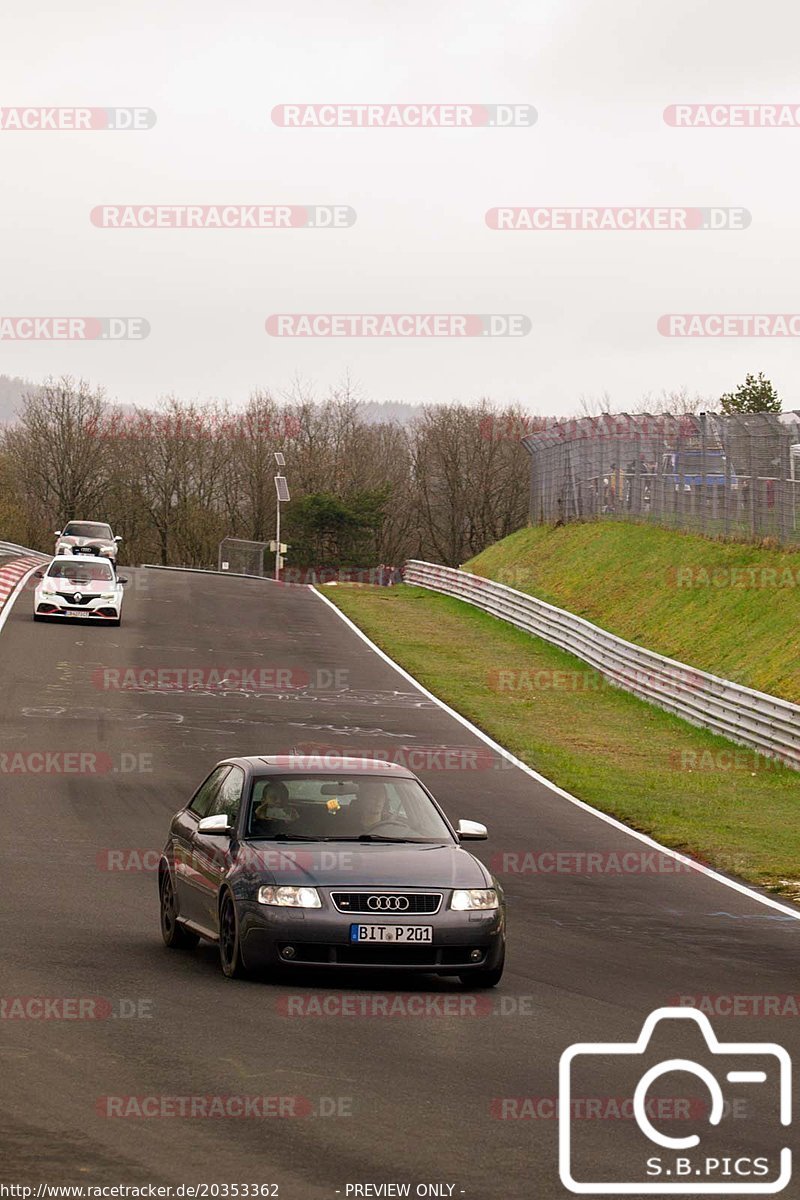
x: 87, y: 537
x: 79, y: 588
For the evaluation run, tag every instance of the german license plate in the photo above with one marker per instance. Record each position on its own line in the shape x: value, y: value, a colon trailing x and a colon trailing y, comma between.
x: 391, y: 933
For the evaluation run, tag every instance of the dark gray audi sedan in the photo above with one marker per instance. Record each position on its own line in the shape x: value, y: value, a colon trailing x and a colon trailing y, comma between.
x: 345, y: 862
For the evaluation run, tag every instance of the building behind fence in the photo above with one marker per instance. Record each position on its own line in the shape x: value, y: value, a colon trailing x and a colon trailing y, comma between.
x: 712, y: 473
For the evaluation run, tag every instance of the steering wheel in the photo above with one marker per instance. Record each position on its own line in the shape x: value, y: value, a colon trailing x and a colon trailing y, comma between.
x: 394, y: 821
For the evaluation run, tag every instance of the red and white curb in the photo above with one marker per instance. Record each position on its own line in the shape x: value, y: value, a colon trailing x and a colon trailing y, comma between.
x: 11, y: 573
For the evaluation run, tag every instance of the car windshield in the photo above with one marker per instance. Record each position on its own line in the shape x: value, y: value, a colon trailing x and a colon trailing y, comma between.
x: 330, y: 807
x: 87, y: 529
x: 78, y: 570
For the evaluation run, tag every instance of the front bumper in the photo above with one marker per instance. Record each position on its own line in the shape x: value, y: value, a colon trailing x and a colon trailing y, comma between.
x: 95, y: 610
x: 462, y: 941
x: 97, y: 551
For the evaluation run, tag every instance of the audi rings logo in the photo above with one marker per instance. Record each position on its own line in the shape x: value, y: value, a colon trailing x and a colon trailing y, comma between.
x: 387, y: 903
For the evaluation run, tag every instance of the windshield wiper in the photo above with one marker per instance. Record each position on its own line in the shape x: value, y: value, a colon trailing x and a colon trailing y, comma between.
x: 288, y: 837
x: 379, y: 837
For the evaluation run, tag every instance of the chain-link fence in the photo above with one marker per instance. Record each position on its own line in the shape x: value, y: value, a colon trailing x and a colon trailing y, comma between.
x: 240, y: 557
x: 711, y: 473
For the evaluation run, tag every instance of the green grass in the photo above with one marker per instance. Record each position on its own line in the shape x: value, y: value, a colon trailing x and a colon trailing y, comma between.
x: 617, y: 753
x: 646, y: 584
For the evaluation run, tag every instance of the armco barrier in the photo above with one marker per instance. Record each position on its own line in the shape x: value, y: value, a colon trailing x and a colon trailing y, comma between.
x: 13, y: 548
x: 765, y: 723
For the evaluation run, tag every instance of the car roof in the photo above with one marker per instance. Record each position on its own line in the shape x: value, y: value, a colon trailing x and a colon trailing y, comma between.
x: 324, y: 763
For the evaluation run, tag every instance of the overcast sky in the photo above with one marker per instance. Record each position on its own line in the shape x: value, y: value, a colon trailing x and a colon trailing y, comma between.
x: 599, y: 75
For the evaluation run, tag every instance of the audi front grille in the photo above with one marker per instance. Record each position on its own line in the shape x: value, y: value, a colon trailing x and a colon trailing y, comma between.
x: 397, y: 904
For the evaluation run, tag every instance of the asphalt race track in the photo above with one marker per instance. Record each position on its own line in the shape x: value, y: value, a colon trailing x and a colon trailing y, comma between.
x: 401, y: 1098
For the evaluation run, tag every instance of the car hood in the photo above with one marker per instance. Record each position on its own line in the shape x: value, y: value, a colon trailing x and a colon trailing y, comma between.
x: 348, y: 864
x: 92, y: 586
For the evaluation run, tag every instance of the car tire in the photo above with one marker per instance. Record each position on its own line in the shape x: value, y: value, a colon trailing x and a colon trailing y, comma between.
x: 36, y: 617
x: 230, y: 950
x: 487, y: 977
x: 116, y: 623
x: 176, y: 936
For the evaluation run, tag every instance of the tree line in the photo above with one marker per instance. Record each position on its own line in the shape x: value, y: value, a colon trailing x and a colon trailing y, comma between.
x: 176, y: 479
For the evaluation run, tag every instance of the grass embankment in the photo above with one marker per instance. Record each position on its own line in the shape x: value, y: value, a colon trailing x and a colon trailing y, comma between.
x: 690, y: 790
x: 726, y: 607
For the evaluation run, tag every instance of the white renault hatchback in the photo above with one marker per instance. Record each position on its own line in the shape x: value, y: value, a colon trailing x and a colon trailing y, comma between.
x: 79, y: 588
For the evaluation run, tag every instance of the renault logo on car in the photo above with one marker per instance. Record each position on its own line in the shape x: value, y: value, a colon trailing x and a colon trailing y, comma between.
x: 388, y: 903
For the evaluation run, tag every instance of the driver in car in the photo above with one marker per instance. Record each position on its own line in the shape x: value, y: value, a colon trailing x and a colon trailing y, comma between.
x: 273, y: 807
x: 368, y: 809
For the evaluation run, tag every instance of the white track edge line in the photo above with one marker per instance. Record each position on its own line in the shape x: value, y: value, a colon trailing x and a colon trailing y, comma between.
x: 559, y: 791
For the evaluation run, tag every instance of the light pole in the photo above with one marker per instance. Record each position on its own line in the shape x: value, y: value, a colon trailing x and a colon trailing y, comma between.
x: 282, y: 497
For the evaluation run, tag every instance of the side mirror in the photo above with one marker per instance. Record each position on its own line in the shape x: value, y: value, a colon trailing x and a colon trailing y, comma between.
x: 38, y: 574
x: 121, y: 579
x: 117, y: 538
x: 471, y: 831
x: 219, y: 825
x: 58, y: 533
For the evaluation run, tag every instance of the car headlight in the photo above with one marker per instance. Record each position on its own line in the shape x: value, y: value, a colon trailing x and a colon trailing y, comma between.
x: 474, y: 898
x: 109, y: 596
x: 48, y: 589
x: 290, y: 897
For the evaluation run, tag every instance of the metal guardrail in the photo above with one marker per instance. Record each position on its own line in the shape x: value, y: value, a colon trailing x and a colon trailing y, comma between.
x: 13, y: 548
x: 765, y: 723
